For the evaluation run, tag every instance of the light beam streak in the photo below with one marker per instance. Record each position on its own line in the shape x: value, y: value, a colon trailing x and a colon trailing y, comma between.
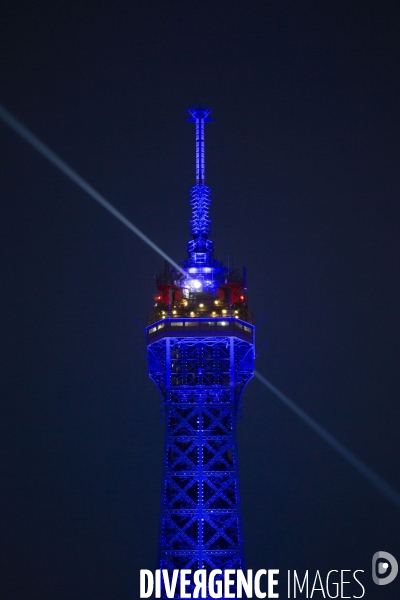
x: 36, y: 143
x: 377, y: 481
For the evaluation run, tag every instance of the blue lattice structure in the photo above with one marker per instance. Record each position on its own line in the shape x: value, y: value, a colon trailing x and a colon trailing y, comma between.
x: 200, y: 341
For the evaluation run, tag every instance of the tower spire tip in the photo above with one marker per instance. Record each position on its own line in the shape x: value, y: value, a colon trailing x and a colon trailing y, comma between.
x: 199, y: 112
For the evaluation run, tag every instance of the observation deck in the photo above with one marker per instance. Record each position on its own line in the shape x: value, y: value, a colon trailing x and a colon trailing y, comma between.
x: 199, y: 296
x: 182, y: 328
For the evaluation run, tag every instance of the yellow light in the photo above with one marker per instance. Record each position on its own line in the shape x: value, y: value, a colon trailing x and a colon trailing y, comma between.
x: 174, y: 312
x: 201, y: 305
x: 192, y: 314
x: 216, y: 302
x: 224, y: 311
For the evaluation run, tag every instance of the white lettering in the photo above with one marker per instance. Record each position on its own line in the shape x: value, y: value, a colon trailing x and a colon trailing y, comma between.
x: 245, y: 584
x: 335, y: 584
x: 272, y: 583
x: 185, y: 582
x: 200, y: 579
x: 215, y: 587
x: 157, y: 590
x: 146, y: 581
x: 228, y: 582
x: 257, y: 591
x: 305, y: 581
x: 170, y: 589
x: 317, y: 589
x: 343, y: 582
x: 359, y: 582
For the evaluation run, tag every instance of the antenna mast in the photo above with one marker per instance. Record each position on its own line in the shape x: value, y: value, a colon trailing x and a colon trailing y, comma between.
x: 200, y: 248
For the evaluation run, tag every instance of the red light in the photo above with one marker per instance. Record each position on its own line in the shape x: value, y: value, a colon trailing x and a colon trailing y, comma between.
x: 242, y: 297
x: 158, y: 298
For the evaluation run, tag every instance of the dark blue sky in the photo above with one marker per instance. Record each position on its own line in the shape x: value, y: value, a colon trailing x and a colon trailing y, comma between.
x: 302, y: 159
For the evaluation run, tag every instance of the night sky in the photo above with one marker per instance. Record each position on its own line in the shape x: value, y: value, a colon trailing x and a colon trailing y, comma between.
x: 303, y: 162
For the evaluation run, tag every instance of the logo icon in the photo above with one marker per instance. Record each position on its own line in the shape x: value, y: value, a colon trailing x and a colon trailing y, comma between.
x: 384, y: 563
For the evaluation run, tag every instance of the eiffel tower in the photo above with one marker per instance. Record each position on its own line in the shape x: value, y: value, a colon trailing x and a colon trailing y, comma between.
x: 200, y: 341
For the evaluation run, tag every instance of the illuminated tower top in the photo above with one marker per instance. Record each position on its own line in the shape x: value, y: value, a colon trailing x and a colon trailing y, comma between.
x: 206, y: 288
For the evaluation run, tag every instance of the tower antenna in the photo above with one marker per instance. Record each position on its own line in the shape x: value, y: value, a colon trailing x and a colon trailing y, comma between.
x: 200, y: 248
x: 200, y: 116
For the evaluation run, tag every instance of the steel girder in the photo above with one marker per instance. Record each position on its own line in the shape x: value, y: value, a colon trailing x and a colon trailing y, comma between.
x: 201, y: 380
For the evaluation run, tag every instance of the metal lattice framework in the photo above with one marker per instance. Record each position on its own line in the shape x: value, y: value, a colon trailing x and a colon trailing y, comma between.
x: 200, y: 201
x: 201, y: 380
